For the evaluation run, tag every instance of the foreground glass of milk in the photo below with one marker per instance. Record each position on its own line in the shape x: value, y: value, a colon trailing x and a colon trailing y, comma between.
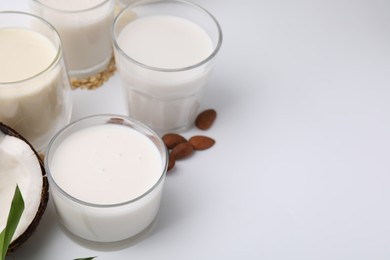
x: 165, y: 52
x: 84, y: 27
x: 106, y: 174
x: 34, y: 86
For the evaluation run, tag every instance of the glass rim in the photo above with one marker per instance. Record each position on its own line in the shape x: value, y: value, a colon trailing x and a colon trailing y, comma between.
x: 108, y: 117
x: 58, y: 46
x: 185, y: 2
x: 72, y: 11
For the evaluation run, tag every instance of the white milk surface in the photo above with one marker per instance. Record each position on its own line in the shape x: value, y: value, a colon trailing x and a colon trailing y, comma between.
x: 164, y: 41
x: 23, y: 54
x: 106, y: 164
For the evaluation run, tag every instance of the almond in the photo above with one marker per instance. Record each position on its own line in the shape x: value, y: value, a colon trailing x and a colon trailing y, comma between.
x: 182, y: 150
x: 206, y: 119
x: 115, y: 120
x: 172, y: 139
x: 171, y: 162
x: 201, y: 142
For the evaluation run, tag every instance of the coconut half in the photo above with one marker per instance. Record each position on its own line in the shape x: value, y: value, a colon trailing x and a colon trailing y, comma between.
x: 20, y: 165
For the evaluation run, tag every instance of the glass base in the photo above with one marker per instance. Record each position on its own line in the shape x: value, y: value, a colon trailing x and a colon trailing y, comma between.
x: 111, y: 246
x: 83, y: 74
x: 96, y: 80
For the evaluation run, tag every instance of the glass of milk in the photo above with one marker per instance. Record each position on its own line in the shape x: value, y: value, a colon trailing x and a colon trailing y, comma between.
x: 165, y: 51
x: 34, y: 86
x: 106, y: 174
x: 84, y: 27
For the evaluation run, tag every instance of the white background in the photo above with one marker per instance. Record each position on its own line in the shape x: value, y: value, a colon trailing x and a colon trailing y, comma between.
x: 301, y: 166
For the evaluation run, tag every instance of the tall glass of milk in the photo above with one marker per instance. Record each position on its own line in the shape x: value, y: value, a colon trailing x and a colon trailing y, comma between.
x: 84, y: 27
x: 34, y: 86
x: 106, y: 174
x: 165, y: 51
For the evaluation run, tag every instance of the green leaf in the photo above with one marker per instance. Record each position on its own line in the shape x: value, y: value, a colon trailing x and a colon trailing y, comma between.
x: 88, y: 258
x: 15, y: 212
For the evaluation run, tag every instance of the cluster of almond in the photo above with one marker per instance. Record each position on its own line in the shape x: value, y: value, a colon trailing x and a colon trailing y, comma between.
x: 179, y: 147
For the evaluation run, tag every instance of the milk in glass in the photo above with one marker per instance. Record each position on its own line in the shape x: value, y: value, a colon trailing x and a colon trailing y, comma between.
x: 33, y: 97
x: 84, y: 27
x: 162, y: 74
x: 112, y: 177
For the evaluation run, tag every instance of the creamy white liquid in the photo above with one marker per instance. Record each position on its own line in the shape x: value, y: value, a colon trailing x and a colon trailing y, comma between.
x: 106, y: 164
x: 36, y: 107
x: 167, y: 101
x: 167, y: 42
x: 23, y: 54
x: 84, y: 27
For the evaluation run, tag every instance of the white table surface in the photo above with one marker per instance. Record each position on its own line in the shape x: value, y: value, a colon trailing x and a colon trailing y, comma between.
x: 301, y: 167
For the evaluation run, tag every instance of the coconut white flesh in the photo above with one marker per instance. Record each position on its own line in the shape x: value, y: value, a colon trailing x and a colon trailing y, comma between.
x: 19, y: 166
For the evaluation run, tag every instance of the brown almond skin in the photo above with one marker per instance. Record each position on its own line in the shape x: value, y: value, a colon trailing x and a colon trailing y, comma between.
x: 172, y: 139
x: 171, y: 162
x: 115, y: 120
x: 182, y: 151
x: 201, y: 142
x: 205, y: 119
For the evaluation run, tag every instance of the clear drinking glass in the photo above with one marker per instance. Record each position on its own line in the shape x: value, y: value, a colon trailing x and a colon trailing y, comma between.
x: 84, y: 27
x: 34, y: 85
x: 165, y: 98
x: 113, y: 221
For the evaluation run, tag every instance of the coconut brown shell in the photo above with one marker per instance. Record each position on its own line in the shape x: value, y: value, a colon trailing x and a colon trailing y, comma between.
x: 44, y: 196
